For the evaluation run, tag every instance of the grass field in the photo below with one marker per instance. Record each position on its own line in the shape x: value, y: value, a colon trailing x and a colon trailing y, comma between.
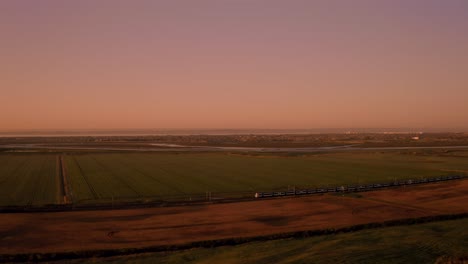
x: 157, y: 175
x: 31, y: 179
x: 28, y: 179
x: 424, y: 243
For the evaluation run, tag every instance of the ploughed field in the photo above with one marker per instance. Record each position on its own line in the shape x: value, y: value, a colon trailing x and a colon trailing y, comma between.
x: 423, y: 243
x: 136, y: 228
x: 35, y: 179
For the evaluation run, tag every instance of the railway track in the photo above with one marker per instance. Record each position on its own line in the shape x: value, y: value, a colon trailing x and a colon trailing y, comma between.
x: 255, y: 196
x: 357, y: 188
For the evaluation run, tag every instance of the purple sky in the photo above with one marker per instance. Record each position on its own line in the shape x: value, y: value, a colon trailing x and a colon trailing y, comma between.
x: 233, y: 64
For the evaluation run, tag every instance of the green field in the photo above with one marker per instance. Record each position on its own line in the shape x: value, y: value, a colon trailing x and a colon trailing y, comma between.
x: 424, y: 243
x: 31, y: 179
x: 28, y: 179
x: 165, y: 176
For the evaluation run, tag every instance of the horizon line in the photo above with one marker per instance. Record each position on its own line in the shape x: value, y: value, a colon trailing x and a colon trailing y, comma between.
x: 167, y: 131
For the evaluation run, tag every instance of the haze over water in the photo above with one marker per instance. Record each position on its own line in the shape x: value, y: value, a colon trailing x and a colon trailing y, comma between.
x: 239, y: 65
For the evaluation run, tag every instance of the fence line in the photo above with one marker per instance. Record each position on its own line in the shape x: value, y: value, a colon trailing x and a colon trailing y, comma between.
x: 218, y: 197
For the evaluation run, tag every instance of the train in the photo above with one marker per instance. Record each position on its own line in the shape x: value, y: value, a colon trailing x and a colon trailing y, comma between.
x: 355, y: 188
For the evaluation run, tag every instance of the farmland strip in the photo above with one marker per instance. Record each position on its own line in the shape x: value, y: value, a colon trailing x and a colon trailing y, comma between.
x: 153, y: 177
x: 117, y: 177
x: 194, y: 181
x: 37, y: 182
x: 18, y: 183
x: 66, y: 186
x: 14, y: 171
x: 59, y: 181
x: 93, y: 192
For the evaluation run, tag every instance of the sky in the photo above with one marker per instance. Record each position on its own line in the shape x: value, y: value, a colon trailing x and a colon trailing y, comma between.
x: 233, y: 64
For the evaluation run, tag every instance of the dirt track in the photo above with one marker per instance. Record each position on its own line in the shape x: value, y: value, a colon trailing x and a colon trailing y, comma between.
x: 86, y: 230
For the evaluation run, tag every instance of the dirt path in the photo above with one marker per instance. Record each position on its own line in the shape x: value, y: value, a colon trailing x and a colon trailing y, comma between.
x: 63, y: 190
x: 87, y: 230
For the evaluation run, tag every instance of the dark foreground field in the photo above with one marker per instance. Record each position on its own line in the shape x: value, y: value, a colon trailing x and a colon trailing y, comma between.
x: 138, y: 228
x: 438, y: 242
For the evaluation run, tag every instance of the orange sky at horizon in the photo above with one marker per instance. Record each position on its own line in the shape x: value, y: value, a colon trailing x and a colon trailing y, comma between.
x: 233, y: 64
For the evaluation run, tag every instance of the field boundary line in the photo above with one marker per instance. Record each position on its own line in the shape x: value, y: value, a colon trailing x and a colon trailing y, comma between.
x: 91, y: 188
x: 68, y: 195
x: 135, y: 204
x: 46, y: 257
x: 59, y: 181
